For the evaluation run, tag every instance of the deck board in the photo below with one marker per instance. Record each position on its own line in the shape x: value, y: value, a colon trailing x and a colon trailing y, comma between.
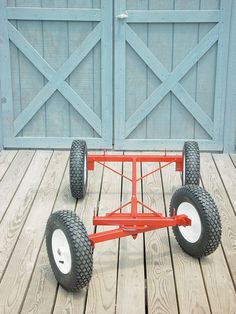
x: 189, y: 281
x: 102, y: 289
x: 131, y: 280
x: 212, y: 183
x: 148, y: 275
x: 161, y: 294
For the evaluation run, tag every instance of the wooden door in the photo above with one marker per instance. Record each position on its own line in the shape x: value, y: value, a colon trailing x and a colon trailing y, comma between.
x: 56, y: 62
x: 170, y: 73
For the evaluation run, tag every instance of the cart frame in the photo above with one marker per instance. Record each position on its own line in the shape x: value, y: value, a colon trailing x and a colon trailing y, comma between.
x: 132, y: 223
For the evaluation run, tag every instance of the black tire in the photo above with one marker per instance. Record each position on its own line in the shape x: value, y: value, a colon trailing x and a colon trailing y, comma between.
x: 79, y: 271
x: 191, y: 164
x: 197, y: 242
x: 78, y: 169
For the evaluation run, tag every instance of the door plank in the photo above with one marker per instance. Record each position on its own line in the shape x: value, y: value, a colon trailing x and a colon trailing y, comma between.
x: 102, y: 288
x: 214, y: 186
x: 12, y: 178
x: 18, y: 273
x: 161, y: 294
x: 190, y: 285
x: 20, y: 206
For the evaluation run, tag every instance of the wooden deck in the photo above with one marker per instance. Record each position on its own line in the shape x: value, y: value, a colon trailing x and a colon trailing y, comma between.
x: 148, y: 275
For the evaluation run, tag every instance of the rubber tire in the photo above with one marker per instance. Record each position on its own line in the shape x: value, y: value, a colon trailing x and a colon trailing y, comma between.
x: 80, y: 248
x: 210, y: 219
x: 78, y: 156
x: 191, y: 155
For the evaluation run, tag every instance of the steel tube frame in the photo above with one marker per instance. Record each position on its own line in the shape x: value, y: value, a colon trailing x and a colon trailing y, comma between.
x: 133, y: 222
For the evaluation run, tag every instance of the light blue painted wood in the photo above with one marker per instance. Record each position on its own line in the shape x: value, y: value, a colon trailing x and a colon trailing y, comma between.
x: 136, y: 73
x: 56, y: 79
x: 191, y: 115
x: 59, y: 72
x: 182, y: 121
x: 162, y: 144
x: 5, y: 74
x: 30, y: 79
x: 119, y: 73
x: 53, y: 14
x: 205, y: 72
x: 82, y: 78
x: 163, y: 74
x: 106, y: 69
x: 55, y: 142
x: 158, y: 121
x: 221, y: 72
x: 230, y: 102
x: 176, y: 16
x: 193, y: 56
x: 56, y: 107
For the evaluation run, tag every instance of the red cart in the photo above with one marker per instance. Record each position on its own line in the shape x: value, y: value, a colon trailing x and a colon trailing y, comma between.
x: 194, y: 216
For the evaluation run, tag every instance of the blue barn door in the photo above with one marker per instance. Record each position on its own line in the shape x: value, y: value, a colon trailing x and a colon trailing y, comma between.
x: 56, y: 65
x: 170, y: 73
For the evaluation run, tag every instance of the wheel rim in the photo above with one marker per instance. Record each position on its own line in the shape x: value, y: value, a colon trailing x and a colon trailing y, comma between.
x: 190, y: 233
x: 61, y: 251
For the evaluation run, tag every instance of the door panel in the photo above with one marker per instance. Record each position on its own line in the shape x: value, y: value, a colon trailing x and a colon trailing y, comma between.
x: 170, y: 70
x: 59, y: 64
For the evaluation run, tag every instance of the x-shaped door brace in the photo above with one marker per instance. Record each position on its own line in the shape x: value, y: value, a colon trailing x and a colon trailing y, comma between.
x: 56, y: 79
x: 170, y: 80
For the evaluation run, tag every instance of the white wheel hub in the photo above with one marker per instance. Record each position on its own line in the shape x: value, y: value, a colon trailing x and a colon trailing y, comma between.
x: 190, y: 233
x: 61, y: 251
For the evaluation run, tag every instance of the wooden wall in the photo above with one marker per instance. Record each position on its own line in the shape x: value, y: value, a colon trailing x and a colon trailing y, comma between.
x: 55, y: 41
x: 168, y: 124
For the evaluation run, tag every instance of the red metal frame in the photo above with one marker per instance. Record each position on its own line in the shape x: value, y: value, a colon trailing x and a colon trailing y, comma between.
x: 133, y: 223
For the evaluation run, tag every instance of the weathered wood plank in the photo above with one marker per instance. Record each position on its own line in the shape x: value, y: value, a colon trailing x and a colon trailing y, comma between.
x: 228, y: 175
x: 76, y: 302
x: 130, y: 281
x: 214, y: 186
x: 189, y: 281
x: 43, y: 286
x: 215, y: 272
x: 12, y: 178
x: 102, y: 288
x: 6, y: 157
x: 161, y: 294
x: 233, y: 157
x: 18, y: 273
x: 19, y: 208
